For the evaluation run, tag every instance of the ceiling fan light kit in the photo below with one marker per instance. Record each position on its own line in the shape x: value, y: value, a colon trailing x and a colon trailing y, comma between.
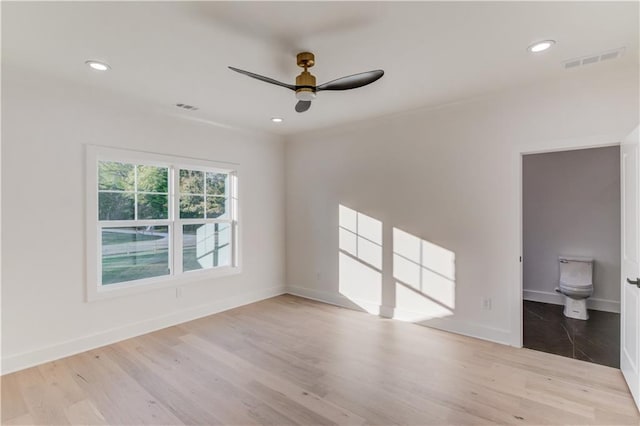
x: 305, y: 86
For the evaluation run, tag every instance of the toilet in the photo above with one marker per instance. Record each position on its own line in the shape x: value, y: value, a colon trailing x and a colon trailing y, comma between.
x: 576, y: 284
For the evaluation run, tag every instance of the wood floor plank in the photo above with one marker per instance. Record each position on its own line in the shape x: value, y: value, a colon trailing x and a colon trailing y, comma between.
x: 178, y: 398
x: 25, y: 420
x: 289, y: 360
x: 417, y: 404
x: 12, y: 403
x: 84, y: 413
x: 45, y: 404
x: 225, y: 399
x: 118, y: 397
x: 291, y: 391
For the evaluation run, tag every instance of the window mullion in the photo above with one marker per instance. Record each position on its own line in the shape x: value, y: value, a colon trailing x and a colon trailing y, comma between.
x: 130, y: 223
x: 198, y: 221
x: 233, y: 195
x: 177, y: 227
x: 135, y: 192
x: 204, y: 183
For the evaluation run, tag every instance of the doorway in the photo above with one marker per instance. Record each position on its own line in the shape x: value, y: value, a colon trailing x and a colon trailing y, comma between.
x: 571, y: 228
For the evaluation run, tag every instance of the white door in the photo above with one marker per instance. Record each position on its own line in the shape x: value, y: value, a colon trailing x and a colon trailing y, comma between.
x: 630, y: 292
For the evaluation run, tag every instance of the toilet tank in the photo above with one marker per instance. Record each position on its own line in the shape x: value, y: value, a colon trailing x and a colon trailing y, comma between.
x: 576, y: 271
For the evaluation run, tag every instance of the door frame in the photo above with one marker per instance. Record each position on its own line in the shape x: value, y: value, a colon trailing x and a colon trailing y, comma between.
x: 600, y: 141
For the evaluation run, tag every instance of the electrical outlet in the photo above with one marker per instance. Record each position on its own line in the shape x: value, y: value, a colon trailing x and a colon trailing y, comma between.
x: 318, y: 276
x: 486, y: 303
x: 178, y: 292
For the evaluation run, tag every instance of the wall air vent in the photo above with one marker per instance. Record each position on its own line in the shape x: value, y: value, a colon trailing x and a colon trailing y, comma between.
x: 187, y: 107
x: 592, y: 59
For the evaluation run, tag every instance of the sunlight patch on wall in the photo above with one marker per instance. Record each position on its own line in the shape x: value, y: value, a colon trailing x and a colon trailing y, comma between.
x: 360, y: 258
x: 213, y: 244
x: 425, y: 278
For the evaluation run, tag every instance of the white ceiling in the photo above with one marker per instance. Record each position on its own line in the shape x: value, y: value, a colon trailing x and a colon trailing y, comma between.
x: 163, y: 53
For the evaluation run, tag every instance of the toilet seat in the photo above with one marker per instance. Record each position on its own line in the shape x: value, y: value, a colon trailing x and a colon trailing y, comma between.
x: 576, y: 291
x: 578, y: 288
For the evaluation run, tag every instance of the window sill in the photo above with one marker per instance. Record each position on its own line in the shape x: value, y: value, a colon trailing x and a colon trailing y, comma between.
x: 127, y: 289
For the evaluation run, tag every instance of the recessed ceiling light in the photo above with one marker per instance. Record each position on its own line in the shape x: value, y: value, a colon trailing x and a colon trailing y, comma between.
x: 277, y: 120
x: 97, y: 65
x: 541, y: 46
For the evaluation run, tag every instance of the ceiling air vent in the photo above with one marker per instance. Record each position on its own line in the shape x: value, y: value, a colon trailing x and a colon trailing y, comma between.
x: 187, y: 107
x: 592, y: 59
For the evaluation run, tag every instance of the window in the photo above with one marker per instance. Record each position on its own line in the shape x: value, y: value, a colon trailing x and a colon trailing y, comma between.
x: 205, y: 219
x: 156, y: 221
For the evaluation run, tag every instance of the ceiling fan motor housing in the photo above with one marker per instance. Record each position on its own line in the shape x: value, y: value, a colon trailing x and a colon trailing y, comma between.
x: 305, y: 93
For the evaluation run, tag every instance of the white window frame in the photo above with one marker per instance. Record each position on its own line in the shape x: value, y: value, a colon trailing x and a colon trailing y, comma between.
x: 177, y: 277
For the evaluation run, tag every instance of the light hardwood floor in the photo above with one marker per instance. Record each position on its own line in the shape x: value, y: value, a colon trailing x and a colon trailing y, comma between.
x: 289, y: 360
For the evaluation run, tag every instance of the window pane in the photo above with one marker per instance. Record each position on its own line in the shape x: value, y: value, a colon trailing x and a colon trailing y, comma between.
x: 192, y: 206
x: 216, y: 183
x: 206, y: 246
x: 133, y: 253
x: 116, y: 206
x: 153, y: 179
x: 191, y: 182
x: 153, y: 206
x: 115, y: 176
x: 216, y: 207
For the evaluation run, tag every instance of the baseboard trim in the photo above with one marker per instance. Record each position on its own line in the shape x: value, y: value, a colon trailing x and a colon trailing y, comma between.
x: 24, y: 360
x: 558, y: 299
x: 451, y: 325
x: 470, y: 329
x: 336, y: 299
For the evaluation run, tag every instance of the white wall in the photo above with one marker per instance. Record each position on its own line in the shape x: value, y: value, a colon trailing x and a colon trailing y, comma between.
x: 450, y: 176
x: 571, y: 206
x: 45, y: 126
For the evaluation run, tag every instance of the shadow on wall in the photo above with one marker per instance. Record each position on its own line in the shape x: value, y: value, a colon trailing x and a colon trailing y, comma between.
x: 423, y: 273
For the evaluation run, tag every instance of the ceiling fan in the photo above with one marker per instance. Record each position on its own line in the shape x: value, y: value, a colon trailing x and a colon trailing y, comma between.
x: 305, y: 86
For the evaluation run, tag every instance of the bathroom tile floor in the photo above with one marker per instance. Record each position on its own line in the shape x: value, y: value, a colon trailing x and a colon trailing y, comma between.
x: 596, y: 340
